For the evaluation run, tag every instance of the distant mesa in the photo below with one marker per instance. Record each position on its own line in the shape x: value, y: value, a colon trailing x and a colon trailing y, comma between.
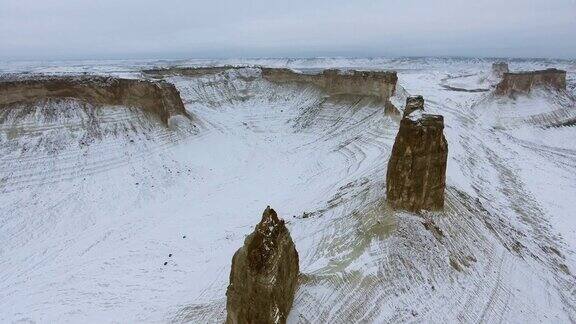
x: 379, y: 84
x: 187, y: 71
x: 158, y: 98
x: 499, y: 68
x: 525, y: 82
x: 416, y: 175
x: 264, y: 274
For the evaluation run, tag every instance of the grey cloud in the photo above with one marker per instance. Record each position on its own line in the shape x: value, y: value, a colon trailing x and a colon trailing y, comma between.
x: 176, y: 28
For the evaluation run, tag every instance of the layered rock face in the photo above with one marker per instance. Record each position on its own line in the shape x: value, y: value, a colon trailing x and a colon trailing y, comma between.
x: 524, y: 82
x: 499, y: 68
x: 416, y: 175
x: 378, y: 84
x: 264, y: 274
x: 159, y: 98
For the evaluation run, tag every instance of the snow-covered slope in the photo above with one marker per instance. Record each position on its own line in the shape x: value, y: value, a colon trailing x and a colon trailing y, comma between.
x: 87, y: 226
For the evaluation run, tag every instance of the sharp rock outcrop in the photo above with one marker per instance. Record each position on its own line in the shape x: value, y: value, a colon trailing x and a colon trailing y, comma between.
x: 158, y: 98
x: 499, y: 68
x: 264, y: 274
x: 413, y: 103
x: 416, y: 175
x: 524, y: 82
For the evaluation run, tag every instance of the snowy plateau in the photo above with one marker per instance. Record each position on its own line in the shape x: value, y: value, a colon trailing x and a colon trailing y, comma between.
x: 108, y: 215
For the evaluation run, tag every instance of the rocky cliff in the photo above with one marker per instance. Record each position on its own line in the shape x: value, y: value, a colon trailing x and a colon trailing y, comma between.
x: 365, y: 83
x: 158, y: 98
x: 416, y: 174
x: 264, y: 274
x: 524, y: 82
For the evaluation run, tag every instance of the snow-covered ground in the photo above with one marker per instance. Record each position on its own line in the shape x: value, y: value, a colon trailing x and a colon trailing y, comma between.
x: 94, y: 200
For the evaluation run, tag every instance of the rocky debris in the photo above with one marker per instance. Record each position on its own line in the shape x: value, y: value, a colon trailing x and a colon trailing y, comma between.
x: 455, y: 264
x: 524, y: 82
x: 158, y: 98
x: 413, y: 103
x: 264, y: 274
x: 499, y: 68
x: 416, y: 175
x: 431, y: 226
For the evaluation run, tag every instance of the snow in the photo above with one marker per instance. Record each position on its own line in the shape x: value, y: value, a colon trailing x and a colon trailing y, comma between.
x: 416, y: 115
x: 86, y: 229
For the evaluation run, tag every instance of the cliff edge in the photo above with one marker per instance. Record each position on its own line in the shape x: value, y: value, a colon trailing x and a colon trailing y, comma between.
x: 159, y: 98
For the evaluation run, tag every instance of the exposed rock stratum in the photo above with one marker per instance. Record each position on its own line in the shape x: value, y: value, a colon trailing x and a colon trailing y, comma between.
x: 366, y: 83
x: 157, y: 98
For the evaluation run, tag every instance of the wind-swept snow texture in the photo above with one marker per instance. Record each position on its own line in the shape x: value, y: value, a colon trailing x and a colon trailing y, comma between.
x: 88, y: 222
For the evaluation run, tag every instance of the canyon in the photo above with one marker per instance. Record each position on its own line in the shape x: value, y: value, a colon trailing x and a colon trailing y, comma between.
x: 454, y: 213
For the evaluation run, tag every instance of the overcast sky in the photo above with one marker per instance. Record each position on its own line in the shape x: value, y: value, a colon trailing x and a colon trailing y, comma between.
x: 76, y: 29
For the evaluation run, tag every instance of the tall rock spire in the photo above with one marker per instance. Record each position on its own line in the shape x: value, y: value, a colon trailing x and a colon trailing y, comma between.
x: 264, y: 274
x: 416, y: 175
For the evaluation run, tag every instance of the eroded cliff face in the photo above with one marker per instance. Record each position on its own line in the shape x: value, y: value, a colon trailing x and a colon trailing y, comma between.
x: 416, y: 175
x: 158, y: 98
x: 264, y: 274
x: 524, y: 82
x: 365, y: 83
